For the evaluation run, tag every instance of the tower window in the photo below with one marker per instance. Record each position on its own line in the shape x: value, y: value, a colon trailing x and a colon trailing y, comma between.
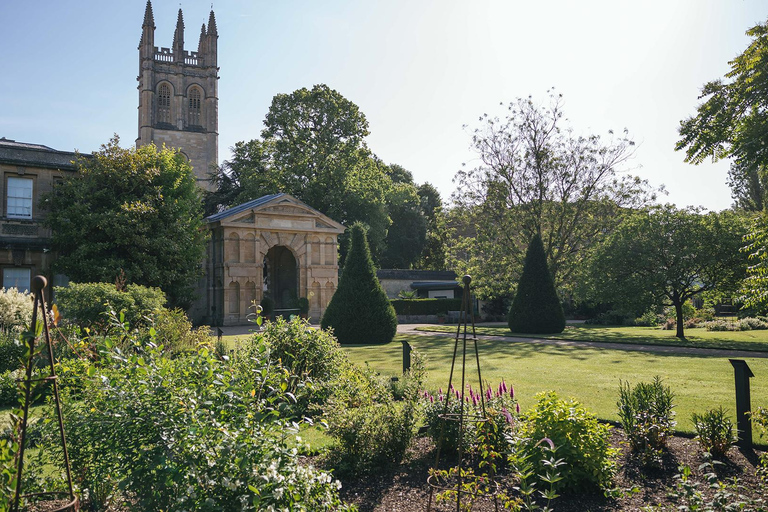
x: 194, y: 107
x: 19, y: 198
x: 164, y: 104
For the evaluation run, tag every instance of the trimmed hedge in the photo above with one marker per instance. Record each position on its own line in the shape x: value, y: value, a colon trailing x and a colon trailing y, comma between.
x: 536, y: 307
x: 359, y: 311
x: 425, y: 306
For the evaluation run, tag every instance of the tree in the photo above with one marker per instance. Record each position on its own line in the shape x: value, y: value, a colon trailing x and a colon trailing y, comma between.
x: 537, y: 177
x: 536, y: 307
x: 312, y: 147
x: 360, y: 311
x: 732, y: 121
x: 665, y: 256
x: 407, y: 234
x: 433, y: 253
x: 131, y: 212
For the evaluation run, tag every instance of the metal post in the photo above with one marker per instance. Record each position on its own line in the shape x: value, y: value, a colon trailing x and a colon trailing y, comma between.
x: 742, y: 373
x: 406, y: 356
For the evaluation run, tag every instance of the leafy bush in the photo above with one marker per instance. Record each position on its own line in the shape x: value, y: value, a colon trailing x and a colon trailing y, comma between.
x: 536, y: 307
x: 15, y: 308
x: 714, y: 431
x: 11, y: 351
x: 648, y: 319
x: 646, y: 415
x: 88, y: 304
x: 425, y: 306
x: 744, y: 324
x: 175, y: 333
x: 194, y: 432
x: 267, y: 306
x: 373, y: 436
x: 360, y: 311
x: 578, y: 438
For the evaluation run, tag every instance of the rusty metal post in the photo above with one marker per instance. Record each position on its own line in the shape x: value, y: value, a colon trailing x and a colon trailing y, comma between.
x: 742, y: 374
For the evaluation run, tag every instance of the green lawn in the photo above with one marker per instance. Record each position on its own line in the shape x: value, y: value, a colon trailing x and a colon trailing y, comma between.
x: 589, y: 374
x: 698, y: 337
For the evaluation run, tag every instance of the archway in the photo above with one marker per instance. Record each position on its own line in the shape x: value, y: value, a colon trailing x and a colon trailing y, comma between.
x: 281, y: 277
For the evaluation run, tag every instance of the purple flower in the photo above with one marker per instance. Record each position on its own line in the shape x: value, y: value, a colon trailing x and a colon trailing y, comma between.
x: 488, y: 394
x: 507, y: 415
x: 431, y: 399
x: 517, y: 408
x: 503, y: 386
x: 511, y: 392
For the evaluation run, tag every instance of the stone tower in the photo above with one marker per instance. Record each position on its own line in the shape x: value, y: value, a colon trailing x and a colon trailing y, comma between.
x: 178, y: 95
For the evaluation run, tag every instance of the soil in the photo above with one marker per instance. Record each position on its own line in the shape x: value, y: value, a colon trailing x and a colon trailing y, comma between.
x: 404, y: 489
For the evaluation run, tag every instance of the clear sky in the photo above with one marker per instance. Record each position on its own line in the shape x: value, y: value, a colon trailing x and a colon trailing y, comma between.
x: 418, y: 69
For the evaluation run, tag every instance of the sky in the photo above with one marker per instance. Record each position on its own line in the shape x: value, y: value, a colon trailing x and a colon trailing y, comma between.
x: 422, y: 71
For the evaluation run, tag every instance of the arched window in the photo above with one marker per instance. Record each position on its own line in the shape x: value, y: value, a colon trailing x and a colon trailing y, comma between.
x: 194, y: 107
x: 164, y: 104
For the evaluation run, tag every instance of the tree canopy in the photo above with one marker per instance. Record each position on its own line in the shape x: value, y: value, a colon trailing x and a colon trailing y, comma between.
x: 313, y: 147
x: 732, y: 122
x: 537, y: 177
x: 665, y: 256
x: 133, y: 214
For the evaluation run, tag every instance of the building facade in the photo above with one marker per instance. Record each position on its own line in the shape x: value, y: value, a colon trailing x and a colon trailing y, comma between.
x: 178, y: 95
x: 28, y: 171
x: 272, y: 246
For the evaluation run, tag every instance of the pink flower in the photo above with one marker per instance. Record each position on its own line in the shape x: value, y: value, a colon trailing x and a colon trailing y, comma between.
x: 488, y: 394
x: 503, y: 386
x: 507, y: 415
x: 511, y: 392
x: 431, y: 399
x: 517, y: 408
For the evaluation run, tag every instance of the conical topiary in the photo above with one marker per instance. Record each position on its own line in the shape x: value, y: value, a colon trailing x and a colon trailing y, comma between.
x: 536, y: 307
x: 360, y: 311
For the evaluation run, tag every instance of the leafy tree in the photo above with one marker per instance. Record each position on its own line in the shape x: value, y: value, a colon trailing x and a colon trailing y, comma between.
x: 312, y: 147
x: 360, y: 311
x: 537, y: 177
x: 433, y: 253
x: 407, y: 233
x: 131, y: 211
x: 536, y: 307
x: 665, y: 256
x: 732, y: 121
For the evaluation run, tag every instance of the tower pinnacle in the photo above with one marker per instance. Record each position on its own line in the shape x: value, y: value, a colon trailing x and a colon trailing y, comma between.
x: 212, y: 24
x: 178, y: 36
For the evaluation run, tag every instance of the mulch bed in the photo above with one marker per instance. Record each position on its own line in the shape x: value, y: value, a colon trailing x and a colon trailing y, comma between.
x: 405, y: 489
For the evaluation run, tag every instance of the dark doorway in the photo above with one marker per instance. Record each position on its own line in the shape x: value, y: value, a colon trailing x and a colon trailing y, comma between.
x: 281, y: 278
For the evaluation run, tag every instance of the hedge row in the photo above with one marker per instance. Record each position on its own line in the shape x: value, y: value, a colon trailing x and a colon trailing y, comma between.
x: 425, y: 306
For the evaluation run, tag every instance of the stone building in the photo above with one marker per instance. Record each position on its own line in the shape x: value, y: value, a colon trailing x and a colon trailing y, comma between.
x: 28, y: 171
x: 178, y: 95
x: 274, y: 245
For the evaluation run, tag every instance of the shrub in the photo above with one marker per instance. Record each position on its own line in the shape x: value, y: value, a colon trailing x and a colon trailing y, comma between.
x: 174, y: 331
x: 11, y: 351
x: 267, y: 306
x: 88, y: 304
x: 371, y: 437
x: 648, y: 319
x: 15, y: 308
x: 536, y: 307
x: 360, y: 311
x: 578, y: 438
x: 744, y: 324
x: 303, y: 304
x: 714, y: 431
x: 646, y: 415
x: 425, y: 306
x: 192, y: 432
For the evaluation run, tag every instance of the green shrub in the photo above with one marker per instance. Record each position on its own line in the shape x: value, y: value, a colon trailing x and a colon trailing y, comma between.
x: 303, y: 304
x: 87, y: 304
x: 425, y: 306
x: 578, y: 438
x: 175, y: 333
x: 714, y: 431
x: 360, y: 311
x: 648, y: 319
x: 536, y: 307
x: 193, y: 432
x: 9, y: 391
x: 744, y: 324
x: 646, y: 415
x: 15, y: 308
x: 371, y: 437
x: 267, y: 306
x: 11, y: 350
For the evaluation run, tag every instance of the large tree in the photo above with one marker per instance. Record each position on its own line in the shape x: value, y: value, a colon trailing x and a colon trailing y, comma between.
x: 665, y: 256
x: 732, y: 122
x: 312, y: 147
x: 537, y: 177
x: 130, y: 213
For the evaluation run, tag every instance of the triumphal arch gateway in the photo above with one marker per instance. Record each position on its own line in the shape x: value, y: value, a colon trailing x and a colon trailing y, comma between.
x: 272, y: 246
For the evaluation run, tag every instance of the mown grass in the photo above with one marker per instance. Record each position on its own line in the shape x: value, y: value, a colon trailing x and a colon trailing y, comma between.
x: 589, y: 374
x: 756, y: 341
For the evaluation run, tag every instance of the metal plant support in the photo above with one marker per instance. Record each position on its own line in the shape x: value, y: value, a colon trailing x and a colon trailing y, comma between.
x: 463, y: 418
x: 71, y: 501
